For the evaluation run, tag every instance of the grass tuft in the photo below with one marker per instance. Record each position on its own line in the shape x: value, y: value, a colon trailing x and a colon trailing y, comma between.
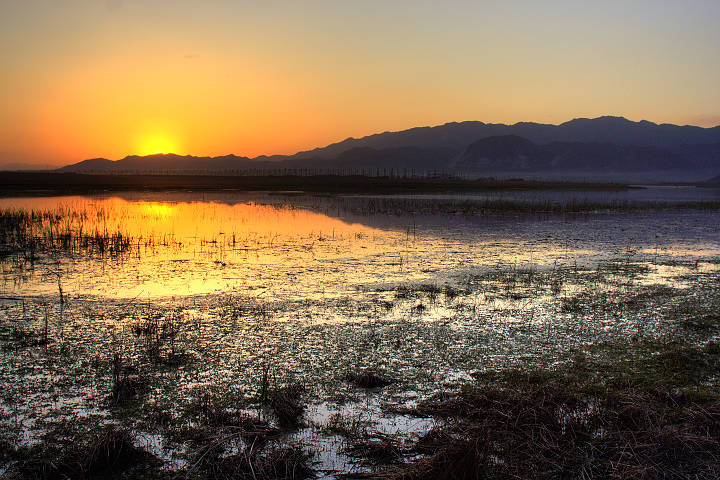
x: 368, y: 379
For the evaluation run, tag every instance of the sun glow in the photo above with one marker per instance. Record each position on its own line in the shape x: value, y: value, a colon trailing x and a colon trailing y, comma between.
x: 157, y: 144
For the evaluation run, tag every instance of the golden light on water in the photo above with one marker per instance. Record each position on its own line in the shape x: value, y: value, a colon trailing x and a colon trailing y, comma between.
x: 197, y: 248
x: 158, y: 210
x: 181, y: 246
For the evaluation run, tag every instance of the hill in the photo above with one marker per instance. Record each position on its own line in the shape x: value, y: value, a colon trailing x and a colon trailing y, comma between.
x: 714, y: 181
x: 611, y: 146
x: 160, y: 163
x: 511, y: 152
x: 617, y: 130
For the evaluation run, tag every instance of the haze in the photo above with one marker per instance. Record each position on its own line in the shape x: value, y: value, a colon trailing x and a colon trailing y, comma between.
x: 109, y: 78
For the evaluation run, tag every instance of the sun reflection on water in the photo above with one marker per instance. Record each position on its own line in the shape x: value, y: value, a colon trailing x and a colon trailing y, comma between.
x: 182, y: 245
x: 192, y: 248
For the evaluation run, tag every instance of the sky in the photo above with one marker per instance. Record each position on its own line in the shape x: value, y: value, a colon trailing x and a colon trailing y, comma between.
x: 108, y: 78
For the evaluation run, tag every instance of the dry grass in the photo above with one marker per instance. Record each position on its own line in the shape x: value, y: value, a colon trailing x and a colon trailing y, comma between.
x: 287, y: 406
x: 646, y: 417
x: 368, y: 379
x: 107, y: 452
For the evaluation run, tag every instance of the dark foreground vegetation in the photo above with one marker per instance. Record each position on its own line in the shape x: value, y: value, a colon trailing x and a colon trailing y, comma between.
x: 636, y: 411
x: 634, y: 407
x: 640, y: 409
x: 14, y: 182
x: 643, y: 411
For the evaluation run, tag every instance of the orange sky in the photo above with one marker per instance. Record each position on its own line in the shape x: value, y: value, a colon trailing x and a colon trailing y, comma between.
x: 86, y: 78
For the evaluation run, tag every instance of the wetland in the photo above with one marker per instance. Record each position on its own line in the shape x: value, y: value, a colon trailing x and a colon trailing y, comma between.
x: 221, y: 334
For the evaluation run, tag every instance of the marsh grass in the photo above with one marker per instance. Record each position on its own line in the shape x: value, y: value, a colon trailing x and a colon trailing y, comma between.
x: 634, y: 412
x: 286, y: 404
x: 226, y: 442
x: 507, y: 206
x: 699, y: 315
x: 100, y: 452
x: 639, y: 408
x: 617, y: 399
x: 275, y: 463
x: 645, y: 406
x: 641, y: 298
x: 128, y: 384
x: 210, y: 425
x: 349, y: 426
x: 20, y: 336
x: 27, y: 234
x: 161, y: 333
x: 368, y: 379
x: 377, y: 449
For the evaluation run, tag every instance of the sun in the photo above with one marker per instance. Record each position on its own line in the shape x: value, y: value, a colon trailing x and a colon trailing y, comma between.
x: 153, y: 144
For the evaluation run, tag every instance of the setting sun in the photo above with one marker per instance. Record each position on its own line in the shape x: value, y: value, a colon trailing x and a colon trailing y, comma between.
x: 157, y: 144
x: 377, y: 239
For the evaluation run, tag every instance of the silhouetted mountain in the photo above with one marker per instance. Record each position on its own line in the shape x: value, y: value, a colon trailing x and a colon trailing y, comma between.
x: 159, y: 163
x: 357, y: 158
x: 90, y: 165
x: 701, y: 156
x: 371, y: 158
x: 513, y: 153
x: 618, y: 130
x: 609, y: 156
x: 507, y: 152
x: 714, y: 181
x: 453, y: 136
x: 609, y: 145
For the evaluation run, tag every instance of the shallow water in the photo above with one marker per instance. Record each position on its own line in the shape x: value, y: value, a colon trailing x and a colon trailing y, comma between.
x: 287, y: 247
x: 308, y: 288
x: 636, y: 194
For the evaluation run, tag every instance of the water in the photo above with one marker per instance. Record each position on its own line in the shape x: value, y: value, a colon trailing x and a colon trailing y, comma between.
x: 636, y: 194
x: 300, y: 247
x: 309, y: 288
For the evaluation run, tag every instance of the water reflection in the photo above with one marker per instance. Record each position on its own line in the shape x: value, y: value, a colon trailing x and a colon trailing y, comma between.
x: 289, y: 247
x: 182, y: 220
x: 216, y: 290
x: 190, y: 248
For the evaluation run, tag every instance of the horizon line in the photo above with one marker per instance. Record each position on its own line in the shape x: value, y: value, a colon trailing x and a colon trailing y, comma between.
x: 618, y: 117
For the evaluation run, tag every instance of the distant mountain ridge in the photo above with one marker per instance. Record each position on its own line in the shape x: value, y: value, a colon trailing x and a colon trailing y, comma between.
x: 714, y: 181
x: 511, y: 152
x: 604, y: 144
x: 161, y: 161
x: 618, y: 130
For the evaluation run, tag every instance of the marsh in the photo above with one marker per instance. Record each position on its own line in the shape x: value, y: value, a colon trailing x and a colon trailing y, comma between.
x: 168, y: 313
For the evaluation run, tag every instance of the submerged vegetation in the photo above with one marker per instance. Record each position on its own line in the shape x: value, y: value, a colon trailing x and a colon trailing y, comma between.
x: 444, y: 357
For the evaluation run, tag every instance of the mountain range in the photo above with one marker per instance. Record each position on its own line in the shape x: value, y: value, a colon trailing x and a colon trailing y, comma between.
x: 608, y: 147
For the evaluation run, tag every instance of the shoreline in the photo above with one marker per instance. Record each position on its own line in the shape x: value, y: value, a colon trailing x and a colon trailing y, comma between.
x: 13, y: 182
